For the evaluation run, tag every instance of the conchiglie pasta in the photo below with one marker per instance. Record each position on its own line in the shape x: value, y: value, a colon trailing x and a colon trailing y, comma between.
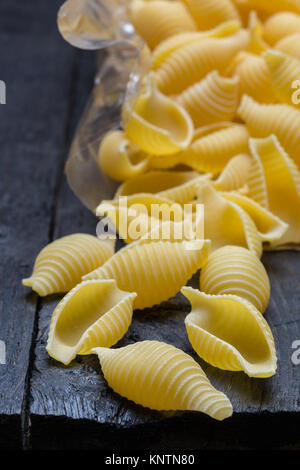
x: 118, y: 160
x: 211, y: 100
x: 157, y: 21
x: 157, y: 124
x: 191, y: 63
x: 223, y: 330
x: 155, y: 271
x: 281, y: 25
x: 235, y: 174
x: 62, y: 263
x: 254, y: 77
x: 165, y: 48
x: 285, y: 73
x: 210, y: 13
x: 161, y: 377
x: 236, y: 270
x: 290, y: 45
x: 274, y: 6
x: 274, y: 182
x: 94, y: 313
x: 225, y: 223
x: 282, y: 120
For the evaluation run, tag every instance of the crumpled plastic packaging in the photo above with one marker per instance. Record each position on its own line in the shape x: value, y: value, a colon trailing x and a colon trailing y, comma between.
x: 98, y: 25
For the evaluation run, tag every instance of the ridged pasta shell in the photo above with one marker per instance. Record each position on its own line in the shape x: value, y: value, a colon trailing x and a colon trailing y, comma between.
x: 270, y: 227
x: 274, y: 6
x: 165, y: 48
x: 257, y: 43
x: 235, y: 174
x: 178, y: 186
x: 237, y: 271
x: 225, y: 223
x: 284, y: 71
x: 191, y: 63
x: 117, y: 160
x: 211, y: 100
x: 279, y: 119
x: 210, y: 13
x: 254, y: 77
x: 157, y: 124
x: 157, y: 21
x: 155, y: 271
x: 161, y: 377
x: 94, y: 313
x: 62, y: 263
x: 274, y: 182
x: 210, y: 128
x: 281, y: 25
x: 290, y: 45
x: 223, y: 330
x: 211, y: 153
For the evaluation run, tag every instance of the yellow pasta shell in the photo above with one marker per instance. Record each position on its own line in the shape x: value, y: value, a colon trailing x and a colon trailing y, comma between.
x: 210, y: 13
x: 285, y: 71
x: 211, y: 100
x: 274, y: 182
x: 281, y: 25
x: 178, y: 186
x: 161, y: 377
x: 274, y: 6
x: 157, y: 124
x: 290, y: 45
x: 235, y: 174
x: 117, y: 160
x: 62, y: 263
x: 191, y: 63
x: 165, y: 48
x: 155, y: 271
x: 223, y: 330
x: 225, y: 223
x: 279, y: 119
x: 157, y: 21
x: 94, y: 313
x: 236, y: 270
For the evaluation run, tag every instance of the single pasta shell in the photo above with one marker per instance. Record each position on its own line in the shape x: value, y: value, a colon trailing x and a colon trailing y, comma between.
x: 62, y: 263
x: 281, y: 25
x: 211, y: 100
x: 161, y: 377
x: 94, y: 313
x: 289, y: 45
x: 236, y: 270
x: 210, y: 13
x: 155, y: 271
x: 223, y: 330
x: 157, y: 124
x: 235, y: 174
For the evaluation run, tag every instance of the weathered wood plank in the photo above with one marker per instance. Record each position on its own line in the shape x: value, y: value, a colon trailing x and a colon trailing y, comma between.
x: 37, y: 72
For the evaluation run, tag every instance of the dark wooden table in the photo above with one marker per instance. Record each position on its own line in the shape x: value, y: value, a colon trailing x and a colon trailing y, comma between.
x: 43, y: 404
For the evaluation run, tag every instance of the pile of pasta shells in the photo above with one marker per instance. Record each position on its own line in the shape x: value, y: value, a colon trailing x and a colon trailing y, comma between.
x: 216, y: 122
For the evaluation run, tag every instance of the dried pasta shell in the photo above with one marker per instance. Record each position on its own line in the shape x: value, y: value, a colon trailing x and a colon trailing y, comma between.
x: 223, y: 329
x: 165, y: 48
x: 245, y: 8
x: 285, y: 71
x: 279, y: 119
x: 191, y: 63
x: 157, y: 124
x: 254, y: 77
x: 225, y: 223
x: 257, y: 43
x: 178, y: 186
x: 157, y: 21
x: 280, y: 25
x: 60, y: 265
x: 237, y: 271
x: 290, y: 45
x: 270, y: 227
x: 274, y: 182
x: 155, y: 271
x: 211, y: 100
x: 209, y: 13
x: 161, y: 377
x: 117, y: 160
x: 274, y: 6
x: 235, y: 174
x: 94, y: 313
x: 210, y: 128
